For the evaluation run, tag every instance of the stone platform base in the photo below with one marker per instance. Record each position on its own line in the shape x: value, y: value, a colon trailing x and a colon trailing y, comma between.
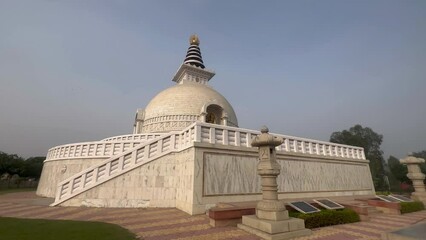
x: 274, y: 230
x: 419, y: 196
x: 278, y: 236
x: 415, y: 232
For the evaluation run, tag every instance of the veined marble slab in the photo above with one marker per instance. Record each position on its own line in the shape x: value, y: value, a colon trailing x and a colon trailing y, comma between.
x: 235, y: 174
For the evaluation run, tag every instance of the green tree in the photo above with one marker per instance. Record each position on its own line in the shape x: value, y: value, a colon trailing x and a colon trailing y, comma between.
x: 370, y: 141
x: 11, y: 164
x: 398, y: 170
x: 32, y: 167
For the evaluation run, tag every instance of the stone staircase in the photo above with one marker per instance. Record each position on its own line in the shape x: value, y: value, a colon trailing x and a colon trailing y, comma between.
x: 122, y: 163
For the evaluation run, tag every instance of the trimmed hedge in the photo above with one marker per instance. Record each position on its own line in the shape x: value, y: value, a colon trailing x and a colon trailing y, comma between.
x: 407, y: 207
x: 327, y: 217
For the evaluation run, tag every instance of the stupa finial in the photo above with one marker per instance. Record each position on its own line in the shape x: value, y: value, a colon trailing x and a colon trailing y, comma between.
x: 194, y: 40
x: 193, y: 56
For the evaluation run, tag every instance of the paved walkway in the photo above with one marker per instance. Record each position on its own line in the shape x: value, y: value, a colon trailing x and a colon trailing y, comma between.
x: 170, y: 223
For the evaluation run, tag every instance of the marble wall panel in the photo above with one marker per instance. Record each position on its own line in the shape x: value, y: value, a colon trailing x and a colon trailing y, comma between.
x: 228, y: 174
x: 56, y: 171
x: 165, y: 182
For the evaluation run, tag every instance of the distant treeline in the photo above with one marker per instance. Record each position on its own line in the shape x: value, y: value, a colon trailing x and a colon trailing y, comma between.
x: 12, y: 164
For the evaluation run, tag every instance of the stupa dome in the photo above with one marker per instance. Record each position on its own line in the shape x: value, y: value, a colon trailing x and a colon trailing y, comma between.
x: 180, y: 105
x: 190, y: 100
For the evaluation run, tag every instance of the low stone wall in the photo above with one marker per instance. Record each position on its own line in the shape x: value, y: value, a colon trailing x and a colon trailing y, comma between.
x: 200, y: 176
x: 58, y: 170
x: 164, y: 182
x: 229, y: 174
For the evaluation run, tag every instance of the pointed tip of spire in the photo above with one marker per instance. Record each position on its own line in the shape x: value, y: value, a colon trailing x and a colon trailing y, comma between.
x: 194, y: 40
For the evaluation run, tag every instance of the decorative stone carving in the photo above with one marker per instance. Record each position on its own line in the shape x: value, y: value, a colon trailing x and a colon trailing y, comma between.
x: 416, y: 176
x: 268, y: 169
x: 64, y: 169
x: 271, y: 220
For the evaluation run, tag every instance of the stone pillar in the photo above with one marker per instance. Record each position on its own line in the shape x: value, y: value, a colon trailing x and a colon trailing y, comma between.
x: 225, y: 119
x: 416, y: 176
x: 271, y: 220
x: 203, y: 116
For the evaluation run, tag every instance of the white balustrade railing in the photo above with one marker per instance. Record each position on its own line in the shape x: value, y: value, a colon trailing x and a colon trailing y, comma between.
x: 219, y: 134
x: 145, y: 152
x: 89, y: 149
x: 133, y: 137
x: 124, y: 162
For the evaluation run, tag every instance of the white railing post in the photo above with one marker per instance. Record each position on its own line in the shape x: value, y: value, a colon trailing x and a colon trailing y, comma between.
x: 83, y: 181
x: 237, y: 138
x: 134, y: 158
x: 212, y: 135
x: 248, y: 142
x: 70, y: 186
x: 197, y: 133
x: 287, y: 145
x: 95, y: 175
x: 108, y: 169
x: 95, y: 150
x: 146, y: 151
x: 173, y: 141
x: 58, y: 194
x: 189, y: 136
x: 120, y: 163
x: 160, y: 146
x: 122, y: 147
x: 225, y: 137
x: 295, y: 147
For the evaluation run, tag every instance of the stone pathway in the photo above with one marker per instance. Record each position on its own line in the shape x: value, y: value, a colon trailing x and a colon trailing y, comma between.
x: 170, y: 223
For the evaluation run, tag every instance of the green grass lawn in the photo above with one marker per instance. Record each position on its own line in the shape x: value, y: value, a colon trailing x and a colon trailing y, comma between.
x: 12, y: 190
x: 35, y: 229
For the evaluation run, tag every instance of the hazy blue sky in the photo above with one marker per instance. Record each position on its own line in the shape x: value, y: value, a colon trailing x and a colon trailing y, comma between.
x: 73, y: 71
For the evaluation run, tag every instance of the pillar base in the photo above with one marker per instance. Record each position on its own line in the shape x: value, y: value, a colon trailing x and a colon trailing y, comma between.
x: 419, y: 196
x: 274, y: 230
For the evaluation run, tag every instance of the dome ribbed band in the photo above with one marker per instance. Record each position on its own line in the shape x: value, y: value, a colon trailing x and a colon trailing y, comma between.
x: 193, y: 56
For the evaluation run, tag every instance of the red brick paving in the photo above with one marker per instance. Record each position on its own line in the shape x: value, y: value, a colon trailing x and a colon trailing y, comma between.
x: 171, y: 223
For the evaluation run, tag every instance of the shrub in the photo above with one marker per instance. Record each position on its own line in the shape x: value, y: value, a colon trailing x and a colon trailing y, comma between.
x: 407, y: 207
x: 327, y: 217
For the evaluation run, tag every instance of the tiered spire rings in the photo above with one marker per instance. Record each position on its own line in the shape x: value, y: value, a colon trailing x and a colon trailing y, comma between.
x: 193, y: 56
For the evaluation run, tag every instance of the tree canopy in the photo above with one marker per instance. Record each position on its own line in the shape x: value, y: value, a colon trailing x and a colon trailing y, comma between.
x: 398, y: 170
x: 13, y: 164
x: 366, y: 138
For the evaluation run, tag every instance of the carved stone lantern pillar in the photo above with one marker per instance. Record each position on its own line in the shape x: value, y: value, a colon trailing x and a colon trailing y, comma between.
x: 269, y: 169
x: 416, y: 176
x: 271, y: 220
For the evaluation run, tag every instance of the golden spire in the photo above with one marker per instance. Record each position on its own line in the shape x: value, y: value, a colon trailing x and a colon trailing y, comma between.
x: 194, y: 40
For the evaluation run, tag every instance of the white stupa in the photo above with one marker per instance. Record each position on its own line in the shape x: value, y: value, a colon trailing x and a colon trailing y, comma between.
x: 187, y: 151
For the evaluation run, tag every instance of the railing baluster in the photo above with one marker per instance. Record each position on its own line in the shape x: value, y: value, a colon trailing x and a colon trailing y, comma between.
x: 248, y: 142
x: 212, y: 135
x: 83, y: 181
x: 197, y: 133
x: 120, y: 163
x: 160, y: 146
x: 146, y: 153
x: 237, y: 138
x: 225, y: 137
